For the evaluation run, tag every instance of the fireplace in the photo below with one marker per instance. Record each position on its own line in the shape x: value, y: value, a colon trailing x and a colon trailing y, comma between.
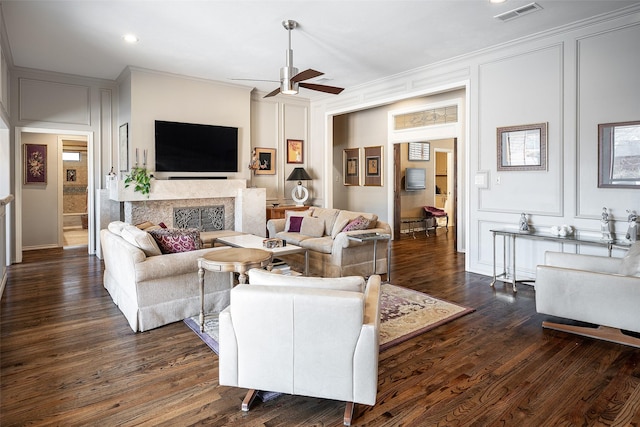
x: 236, y: 207
x: 203, y: 218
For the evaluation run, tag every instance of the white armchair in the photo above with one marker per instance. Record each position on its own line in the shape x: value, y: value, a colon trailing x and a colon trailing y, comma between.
x: 314, y: 337
x: 599, y: 290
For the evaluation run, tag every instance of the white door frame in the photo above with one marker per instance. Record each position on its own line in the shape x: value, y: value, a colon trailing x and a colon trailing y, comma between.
x: 91, y: 246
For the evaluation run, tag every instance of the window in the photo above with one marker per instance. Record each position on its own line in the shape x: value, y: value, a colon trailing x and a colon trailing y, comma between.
x: 71, y: 156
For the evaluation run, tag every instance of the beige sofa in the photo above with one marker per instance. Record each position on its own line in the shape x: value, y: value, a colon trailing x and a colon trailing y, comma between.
x: 315, y: 337
x: 331, y: 252
x: 153, y: 289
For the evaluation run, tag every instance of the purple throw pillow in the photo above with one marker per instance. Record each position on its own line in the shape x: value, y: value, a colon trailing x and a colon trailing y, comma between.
x: 295, y: 222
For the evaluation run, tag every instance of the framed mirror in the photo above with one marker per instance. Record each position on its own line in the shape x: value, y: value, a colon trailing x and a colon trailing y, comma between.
x: 619, y: 155
x: 522, y: 148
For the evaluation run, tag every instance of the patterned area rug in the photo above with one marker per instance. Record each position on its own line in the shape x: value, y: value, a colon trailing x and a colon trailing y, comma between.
x: 405, y: 313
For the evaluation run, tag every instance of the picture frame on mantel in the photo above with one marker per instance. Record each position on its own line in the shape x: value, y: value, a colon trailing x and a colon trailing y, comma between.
x: 267, y: 161
x: 618, y: 154
x: 522, y: 147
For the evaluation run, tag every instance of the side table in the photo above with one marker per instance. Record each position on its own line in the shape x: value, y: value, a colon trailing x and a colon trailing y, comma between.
x: 238, y: 260
x: 374, y: 237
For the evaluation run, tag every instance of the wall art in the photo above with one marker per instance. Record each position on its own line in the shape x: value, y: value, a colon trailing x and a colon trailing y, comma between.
x: 266, y: 161
x: 522, y: 148
x: 35, y: 164
x: 294, y: 150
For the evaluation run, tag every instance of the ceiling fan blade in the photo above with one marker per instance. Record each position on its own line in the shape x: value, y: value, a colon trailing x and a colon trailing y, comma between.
x: 305, y: 75
x: 322, y: 88
x: 272, y: 93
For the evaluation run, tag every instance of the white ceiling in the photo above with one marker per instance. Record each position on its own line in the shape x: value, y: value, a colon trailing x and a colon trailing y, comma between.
x: 353, y: 42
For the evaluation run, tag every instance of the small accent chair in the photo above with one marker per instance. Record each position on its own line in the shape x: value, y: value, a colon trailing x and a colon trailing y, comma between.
x: 306, y: 336
x: 599, y: 290
x: 431, y: 215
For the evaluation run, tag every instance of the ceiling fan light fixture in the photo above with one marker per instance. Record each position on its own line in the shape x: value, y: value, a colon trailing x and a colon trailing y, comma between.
x: 288, y: 87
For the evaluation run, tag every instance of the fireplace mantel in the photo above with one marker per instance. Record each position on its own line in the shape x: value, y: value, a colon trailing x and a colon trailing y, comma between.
x: 179, y: 189
x: 249, y: 204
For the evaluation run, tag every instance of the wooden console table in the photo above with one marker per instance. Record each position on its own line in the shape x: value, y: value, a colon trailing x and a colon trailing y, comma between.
x: 279, y: 212
x: 511, y: 235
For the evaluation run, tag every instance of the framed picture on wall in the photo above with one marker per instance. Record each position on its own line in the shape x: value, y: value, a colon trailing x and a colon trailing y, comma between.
x: 619, y: 155
x: 71, y: 175
x: 373, y: 166
x: 351, y: 166
x: 294, y: 150
x: 35, y: 164
x: 266, y: 161
x: 522, y: 148
x: 419, y: 151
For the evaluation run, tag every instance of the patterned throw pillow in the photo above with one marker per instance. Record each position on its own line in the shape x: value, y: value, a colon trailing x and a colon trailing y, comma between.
x: 173, y: 240
x: 359, y: 223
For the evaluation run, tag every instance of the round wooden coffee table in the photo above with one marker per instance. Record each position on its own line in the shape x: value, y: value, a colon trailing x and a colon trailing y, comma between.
x: 232, y: 260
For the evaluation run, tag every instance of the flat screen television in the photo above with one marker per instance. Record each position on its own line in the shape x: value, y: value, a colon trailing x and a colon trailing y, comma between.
x: 415, y: 179
x: 188, y: 147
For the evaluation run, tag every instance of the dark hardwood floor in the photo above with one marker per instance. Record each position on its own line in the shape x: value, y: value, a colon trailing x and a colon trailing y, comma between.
x: 69, y: 358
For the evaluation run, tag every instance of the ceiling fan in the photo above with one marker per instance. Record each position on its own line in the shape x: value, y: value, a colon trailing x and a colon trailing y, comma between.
x: 291, y: 79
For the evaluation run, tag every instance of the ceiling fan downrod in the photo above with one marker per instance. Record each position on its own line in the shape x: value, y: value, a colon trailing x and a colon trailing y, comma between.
x: 288, y: 87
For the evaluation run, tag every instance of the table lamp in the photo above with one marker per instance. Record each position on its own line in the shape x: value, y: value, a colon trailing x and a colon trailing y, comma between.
x: 299, y: 194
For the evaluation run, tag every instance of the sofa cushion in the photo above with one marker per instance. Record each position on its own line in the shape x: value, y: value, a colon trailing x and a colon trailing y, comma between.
x: 345, y: 217
x: 328, y: 216
x: 631, y: 261
x: 140, y: 239
x: 173, y: 240
x: 116, y: 227
x: 318, y: 244
x: 312, y: 226
x: 292, y: 238
x: 261, y: 277
x: 360, y: 223
x: 289, y: 214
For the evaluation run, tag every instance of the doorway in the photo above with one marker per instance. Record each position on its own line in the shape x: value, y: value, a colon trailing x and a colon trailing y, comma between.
x: 440, y: 189
x: 75, y: 186
x: 35, y: 226
x: 444, y: 182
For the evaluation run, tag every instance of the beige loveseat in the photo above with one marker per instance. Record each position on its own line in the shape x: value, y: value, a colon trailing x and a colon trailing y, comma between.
x: 331, y: 252
x: 153, y: 289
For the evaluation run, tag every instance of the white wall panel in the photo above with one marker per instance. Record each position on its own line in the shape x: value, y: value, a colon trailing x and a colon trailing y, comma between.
x: 608, y: 91
x: 522, y: 89
x: 265, y: 131
x: 54, y: 102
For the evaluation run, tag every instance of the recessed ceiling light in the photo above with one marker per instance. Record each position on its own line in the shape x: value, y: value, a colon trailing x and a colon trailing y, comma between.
x: 497, y: 1
x: 130, y: 38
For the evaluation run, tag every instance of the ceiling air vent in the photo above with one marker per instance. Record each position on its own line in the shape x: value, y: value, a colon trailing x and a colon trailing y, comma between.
x: 518, y: 12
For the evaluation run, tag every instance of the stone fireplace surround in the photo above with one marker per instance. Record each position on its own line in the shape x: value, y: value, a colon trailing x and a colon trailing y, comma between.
x: 245, y: 208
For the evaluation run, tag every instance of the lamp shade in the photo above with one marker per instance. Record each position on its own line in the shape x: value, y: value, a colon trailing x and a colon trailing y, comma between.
x: 299, y: 174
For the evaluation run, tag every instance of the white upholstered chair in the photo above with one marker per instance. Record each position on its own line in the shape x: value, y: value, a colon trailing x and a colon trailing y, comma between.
x: 602, y: 291
x: 307, y: 336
